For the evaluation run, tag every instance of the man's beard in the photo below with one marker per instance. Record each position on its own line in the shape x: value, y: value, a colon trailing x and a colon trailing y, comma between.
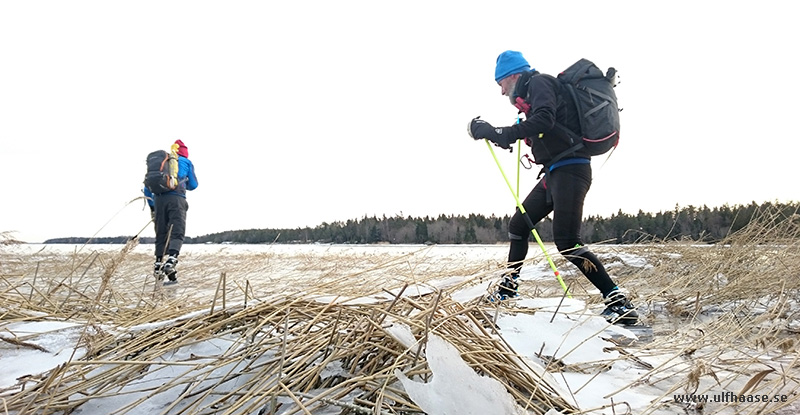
x: 512, y: 93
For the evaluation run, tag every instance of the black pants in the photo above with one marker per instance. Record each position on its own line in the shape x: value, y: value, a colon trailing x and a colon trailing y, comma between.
x: 170, y: 223
x: 568, y: 186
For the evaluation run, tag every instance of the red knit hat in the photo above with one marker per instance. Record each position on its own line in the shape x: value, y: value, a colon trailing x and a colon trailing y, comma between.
x: 182, y: 149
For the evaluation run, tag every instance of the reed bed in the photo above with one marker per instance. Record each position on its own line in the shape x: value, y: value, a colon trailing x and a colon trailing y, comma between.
x: 726, y: 316
x: 291, y: 332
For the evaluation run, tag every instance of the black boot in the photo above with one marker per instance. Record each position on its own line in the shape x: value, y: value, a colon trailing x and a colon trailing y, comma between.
x: 619, y: 309
x: 169, y: 270
x: 507, y: 288
x: 158, y: 270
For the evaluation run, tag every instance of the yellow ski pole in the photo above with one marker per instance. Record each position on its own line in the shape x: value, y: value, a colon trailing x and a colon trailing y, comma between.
x: 519, y: 151
x: 519, y: 163
x: 529, y: 222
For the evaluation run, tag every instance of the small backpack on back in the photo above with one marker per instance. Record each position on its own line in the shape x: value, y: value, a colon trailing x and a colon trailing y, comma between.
x: 596, y: 103
x: 162, y: 172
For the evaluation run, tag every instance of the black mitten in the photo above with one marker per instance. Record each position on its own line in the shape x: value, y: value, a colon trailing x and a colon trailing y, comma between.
x: 479, y: 129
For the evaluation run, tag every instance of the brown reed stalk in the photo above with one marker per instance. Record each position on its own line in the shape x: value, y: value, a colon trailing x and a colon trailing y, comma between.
x: 730, y: 306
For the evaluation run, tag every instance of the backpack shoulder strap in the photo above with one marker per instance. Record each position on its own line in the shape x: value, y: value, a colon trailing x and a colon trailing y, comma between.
x: 573, y: 98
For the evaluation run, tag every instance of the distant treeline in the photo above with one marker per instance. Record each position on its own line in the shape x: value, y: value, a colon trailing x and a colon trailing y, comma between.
x: 76, y: 240
x: 686, y: 223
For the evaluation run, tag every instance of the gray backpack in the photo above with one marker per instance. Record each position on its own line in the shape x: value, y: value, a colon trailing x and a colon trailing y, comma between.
x: 594, y: 98
x: 162, y: 172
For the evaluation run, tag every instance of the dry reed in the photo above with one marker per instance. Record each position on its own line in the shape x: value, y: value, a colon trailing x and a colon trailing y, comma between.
x: 282, y: 333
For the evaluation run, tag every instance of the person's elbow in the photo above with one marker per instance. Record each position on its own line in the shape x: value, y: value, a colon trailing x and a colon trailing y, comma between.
x: 544, y: 119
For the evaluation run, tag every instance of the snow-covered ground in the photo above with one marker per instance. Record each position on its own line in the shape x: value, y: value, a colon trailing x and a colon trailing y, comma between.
x: 598, y: 368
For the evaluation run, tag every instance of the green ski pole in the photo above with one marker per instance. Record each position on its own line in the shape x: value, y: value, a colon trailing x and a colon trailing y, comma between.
x: 529, y: 222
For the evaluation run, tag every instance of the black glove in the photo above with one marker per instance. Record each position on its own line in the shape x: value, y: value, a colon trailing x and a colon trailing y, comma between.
x: 152, y: 213
x: 479, y: 129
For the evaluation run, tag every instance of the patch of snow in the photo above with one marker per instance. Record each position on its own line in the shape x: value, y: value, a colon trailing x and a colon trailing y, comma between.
x: 573, y: 339
x: 455, y: 388
x: 401, y: 333
x: 59, y: 339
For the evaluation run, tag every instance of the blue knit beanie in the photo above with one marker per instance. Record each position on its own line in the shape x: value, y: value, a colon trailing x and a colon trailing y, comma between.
x: 509, y: 63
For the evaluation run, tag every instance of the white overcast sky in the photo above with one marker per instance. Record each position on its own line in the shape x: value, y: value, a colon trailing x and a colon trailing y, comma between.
x: 302, y: 112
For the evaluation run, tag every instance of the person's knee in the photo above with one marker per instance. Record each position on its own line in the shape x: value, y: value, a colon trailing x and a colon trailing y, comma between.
x: 514, y: 237
x: 570, y: 246
x: 517, y: 229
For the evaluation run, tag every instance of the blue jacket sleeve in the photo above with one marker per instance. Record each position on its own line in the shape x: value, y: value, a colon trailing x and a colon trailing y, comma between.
x: 186, y: 173
x: 149, y: 195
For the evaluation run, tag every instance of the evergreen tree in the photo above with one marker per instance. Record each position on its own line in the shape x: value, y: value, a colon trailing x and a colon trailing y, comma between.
x: 421, y: 232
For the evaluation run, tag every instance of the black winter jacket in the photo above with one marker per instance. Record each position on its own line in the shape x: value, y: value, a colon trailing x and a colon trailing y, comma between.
x: 548, y: 104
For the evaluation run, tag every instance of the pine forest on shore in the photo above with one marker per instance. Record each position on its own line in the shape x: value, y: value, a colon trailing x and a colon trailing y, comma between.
x: 684, y: 223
